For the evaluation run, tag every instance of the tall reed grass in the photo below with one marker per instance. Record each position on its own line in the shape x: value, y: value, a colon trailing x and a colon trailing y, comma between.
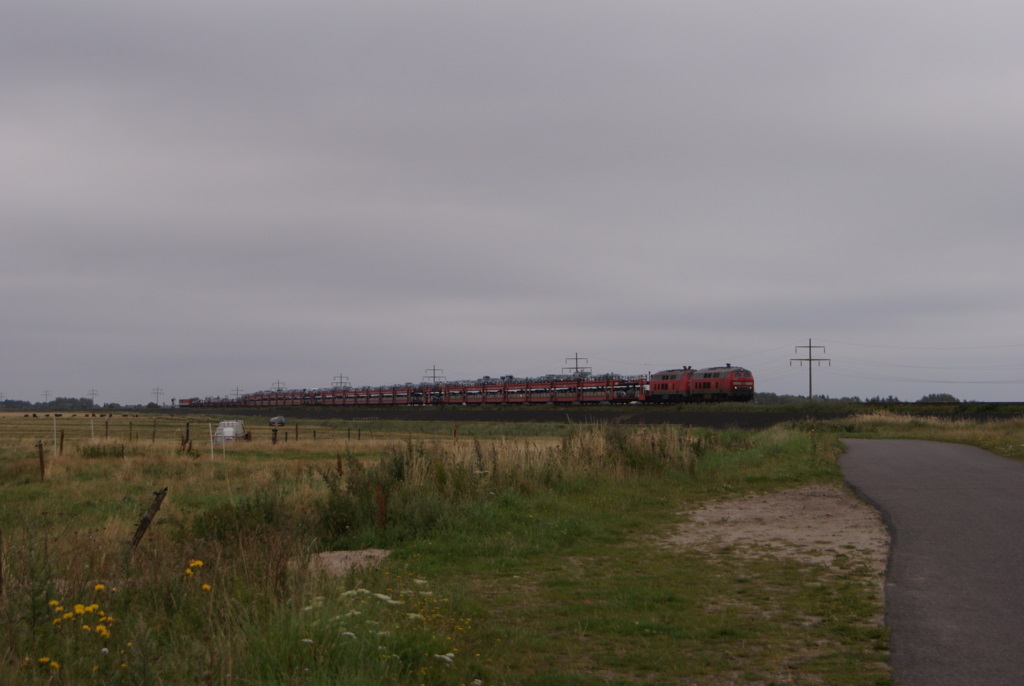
x: 1001, y: 435
x: 214, y: 593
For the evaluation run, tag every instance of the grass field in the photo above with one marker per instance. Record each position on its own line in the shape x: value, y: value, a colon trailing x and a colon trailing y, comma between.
x: 534, y: 558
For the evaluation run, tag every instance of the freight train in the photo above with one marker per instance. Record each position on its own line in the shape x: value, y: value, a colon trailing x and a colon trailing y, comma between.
x: 713, y: 384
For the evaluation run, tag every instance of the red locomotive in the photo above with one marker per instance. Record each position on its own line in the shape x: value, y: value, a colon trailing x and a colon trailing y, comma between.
x: 713, y: 384
x: 701, y: 385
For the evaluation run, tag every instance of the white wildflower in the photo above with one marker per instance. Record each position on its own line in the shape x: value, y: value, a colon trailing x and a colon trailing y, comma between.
x: 387, y: 599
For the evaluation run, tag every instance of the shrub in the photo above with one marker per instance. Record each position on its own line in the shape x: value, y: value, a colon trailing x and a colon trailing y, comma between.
x: 103, y: 450
x: 419, y: 485
x: 250, y: 516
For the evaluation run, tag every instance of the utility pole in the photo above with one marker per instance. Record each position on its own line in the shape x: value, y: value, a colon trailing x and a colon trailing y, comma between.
x: 433, y: 375
x: 809, y: 360
x: 237, y: 392
x: 576, y: 368
x: 277, y: 386
x: 157, y: 392
x: 46, y: 396
x: 341, y: 381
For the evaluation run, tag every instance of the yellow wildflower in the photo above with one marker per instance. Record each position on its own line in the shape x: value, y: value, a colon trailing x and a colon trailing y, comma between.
x: 54, y: 603
x: 43, y: 660
x: 195, y: 563
x: 99, y: 587
x: 207, y: 587
x: 79, y: 609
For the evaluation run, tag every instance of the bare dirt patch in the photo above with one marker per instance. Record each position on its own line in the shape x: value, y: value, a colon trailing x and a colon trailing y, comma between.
x: 818, y: 524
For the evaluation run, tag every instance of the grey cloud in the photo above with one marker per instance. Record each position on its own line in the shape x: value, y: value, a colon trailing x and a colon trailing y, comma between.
x: 226, y: 193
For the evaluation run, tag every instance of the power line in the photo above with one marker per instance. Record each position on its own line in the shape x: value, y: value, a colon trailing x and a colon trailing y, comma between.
x: 576, y: 368
x: 898, y: 379
x: 809, y: 360
x: 873, y: 363
x: 433, y: 375
x: 917, y: 347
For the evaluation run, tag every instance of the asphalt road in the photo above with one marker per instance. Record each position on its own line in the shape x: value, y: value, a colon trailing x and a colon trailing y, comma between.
x: 955, y: 583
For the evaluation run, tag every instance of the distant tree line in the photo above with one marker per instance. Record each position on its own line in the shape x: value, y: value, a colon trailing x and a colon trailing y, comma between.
x: 784, y: 399
x: 777, y: 399
x: 59, y: 404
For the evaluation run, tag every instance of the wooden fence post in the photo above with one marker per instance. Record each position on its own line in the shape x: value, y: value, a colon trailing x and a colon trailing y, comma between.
x: 42, y: 461
x: 147, y: 519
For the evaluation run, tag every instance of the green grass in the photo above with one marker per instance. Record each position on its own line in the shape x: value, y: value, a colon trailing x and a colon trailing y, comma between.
x: 539, y: 559
x: 579, y: 585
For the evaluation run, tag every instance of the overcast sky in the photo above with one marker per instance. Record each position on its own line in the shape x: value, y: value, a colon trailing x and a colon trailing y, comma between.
x: 200, y: 197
